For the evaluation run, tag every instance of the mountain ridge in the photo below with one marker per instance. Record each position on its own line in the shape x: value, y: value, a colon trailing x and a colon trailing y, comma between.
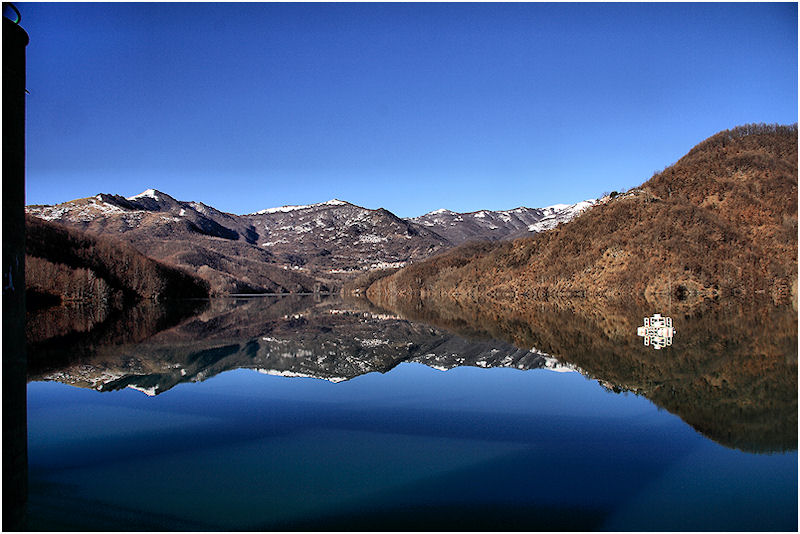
x: 286, y: 249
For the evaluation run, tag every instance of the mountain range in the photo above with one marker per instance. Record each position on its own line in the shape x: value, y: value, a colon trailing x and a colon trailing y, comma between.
x: 289, y: 249
x: 721, y: 220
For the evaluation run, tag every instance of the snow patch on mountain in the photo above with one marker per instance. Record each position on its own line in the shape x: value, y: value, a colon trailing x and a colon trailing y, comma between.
x: 286, y: 209
x: 559, y: 213
x: 372, y: 238
x: 89, y: 210
x: 149, y: 193
x: 495, y: 225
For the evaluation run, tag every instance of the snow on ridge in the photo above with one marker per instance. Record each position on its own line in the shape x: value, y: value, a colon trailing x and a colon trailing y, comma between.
x: 505, y: 215
x: 149, y: 193
x: 286, y: 209
x: 583, y: 204
x: 282, y: 209
x: 520, y: 209
x: 93, y: 207
x: 560, y: 213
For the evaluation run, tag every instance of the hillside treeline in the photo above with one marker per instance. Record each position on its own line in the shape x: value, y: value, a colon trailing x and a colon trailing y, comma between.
x: 65, y: 264
x: 722, y: 220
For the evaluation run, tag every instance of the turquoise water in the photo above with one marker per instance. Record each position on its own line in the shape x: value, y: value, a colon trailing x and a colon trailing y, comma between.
x: 414, y: 448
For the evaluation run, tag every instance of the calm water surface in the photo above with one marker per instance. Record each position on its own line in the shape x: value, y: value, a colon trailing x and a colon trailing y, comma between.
x: 302, y: 414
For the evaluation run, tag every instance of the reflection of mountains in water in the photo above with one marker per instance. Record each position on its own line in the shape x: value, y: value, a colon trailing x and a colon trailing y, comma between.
x: 292, y: 336
x: 731, y: 372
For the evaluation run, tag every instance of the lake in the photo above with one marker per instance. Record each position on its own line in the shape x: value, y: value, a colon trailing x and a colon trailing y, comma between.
x: 310, y: 413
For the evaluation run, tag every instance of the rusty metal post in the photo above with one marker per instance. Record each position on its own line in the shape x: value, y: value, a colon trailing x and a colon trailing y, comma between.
x: 15, y: 368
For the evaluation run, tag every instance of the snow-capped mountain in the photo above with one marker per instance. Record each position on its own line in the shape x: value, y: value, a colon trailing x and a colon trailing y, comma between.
x: 288, y: 248
x: 217, y: 246
x: 337, y: 237
x: 496, y: 225
x: 151, y: 210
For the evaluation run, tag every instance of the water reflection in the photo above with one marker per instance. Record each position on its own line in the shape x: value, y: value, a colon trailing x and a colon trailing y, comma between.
x: 657, y: 331
x: 731, y: 374
x: 293, y: 336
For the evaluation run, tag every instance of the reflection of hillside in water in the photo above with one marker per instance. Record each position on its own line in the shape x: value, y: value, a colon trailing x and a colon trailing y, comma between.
x: 73, y: 333
x: 731, y: 372
x: 331, y: 339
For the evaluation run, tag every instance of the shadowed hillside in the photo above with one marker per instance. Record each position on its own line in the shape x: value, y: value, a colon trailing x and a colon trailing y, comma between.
x: 720, y: 221
x: 82, y: 286
x: 72, y: 265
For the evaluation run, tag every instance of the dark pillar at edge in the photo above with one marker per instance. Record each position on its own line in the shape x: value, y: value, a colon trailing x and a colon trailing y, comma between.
x: 15, y: 365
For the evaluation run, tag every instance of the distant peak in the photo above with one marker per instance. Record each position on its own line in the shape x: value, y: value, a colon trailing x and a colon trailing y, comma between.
x: 440, y: 210
x: 150, y: 193
x: 335, y: 202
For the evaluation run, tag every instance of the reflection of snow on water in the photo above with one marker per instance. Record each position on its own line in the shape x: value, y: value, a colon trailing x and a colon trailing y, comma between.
x: 552, y: 364
x: 374, y: 342
x: 657, y: 331
x: 150, y: 392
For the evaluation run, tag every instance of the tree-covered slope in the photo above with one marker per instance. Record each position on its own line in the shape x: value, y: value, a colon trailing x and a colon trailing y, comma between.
x: 72, y: 265
x: 722, y: 220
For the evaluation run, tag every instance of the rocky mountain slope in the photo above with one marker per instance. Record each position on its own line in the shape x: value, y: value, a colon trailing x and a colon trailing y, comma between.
x: 309, y: 248
x: 485, y: 225
x: 722, y: 220
x: 337, y: 237
x: 218, y: 247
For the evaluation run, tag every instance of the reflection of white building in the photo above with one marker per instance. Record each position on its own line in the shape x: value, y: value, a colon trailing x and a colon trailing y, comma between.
x: 657, y: 331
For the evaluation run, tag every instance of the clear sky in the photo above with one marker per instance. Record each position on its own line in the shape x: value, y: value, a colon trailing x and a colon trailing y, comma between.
x: 411, y: 107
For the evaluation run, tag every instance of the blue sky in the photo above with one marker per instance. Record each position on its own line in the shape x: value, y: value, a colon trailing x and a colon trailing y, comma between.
x: 411, y: 107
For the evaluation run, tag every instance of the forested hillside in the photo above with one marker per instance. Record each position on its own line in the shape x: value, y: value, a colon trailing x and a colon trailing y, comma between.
x: 65, y: 264
x: 722, y: 220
